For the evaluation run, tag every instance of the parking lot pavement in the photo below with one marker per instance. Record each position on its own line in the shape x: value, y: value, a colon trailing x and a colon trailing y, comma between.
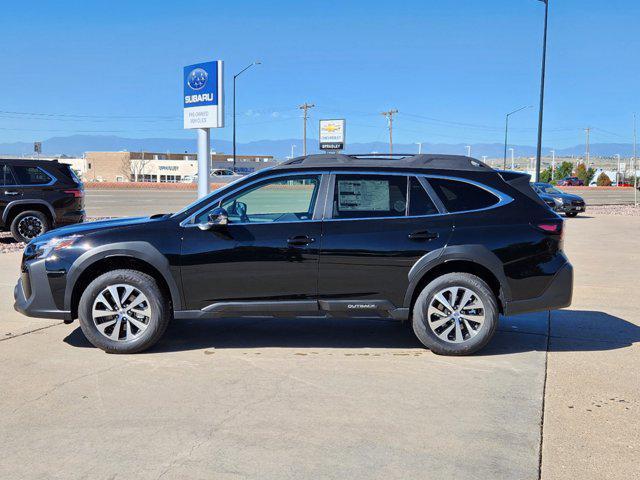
x: 339, y: 398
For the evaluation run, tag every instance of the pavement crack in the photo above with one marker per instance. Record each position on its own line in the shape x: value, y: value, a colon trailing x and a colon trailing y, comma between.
x: 544, y: 393
x: 30, y: 331
x: 66, y: 382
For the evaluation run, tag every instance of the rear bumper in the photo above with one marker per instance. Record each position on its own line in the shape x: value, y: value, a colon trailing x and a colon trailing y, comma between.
x: 557, y: 295
x: 71, y: 218
x: 33, y: 296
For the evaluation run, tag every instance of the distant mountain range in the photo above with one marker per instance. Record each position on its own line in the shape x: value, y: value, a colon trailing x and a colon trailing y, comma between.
x: 76, y: 145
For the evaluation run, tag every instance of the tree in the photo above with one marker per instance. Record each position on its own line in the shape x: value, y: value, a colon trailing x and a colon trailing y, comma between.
x: 563, y: 170
x: 585, y: 174
x: 603, y: 180
x: 545, y: 175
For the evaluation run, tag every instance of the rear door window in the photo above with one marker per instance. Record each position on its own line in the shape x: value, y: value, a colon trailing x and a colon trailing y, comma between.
x: 369, y: 196
x: 6, y: 177
x: 419, y: 201
x: 459, y: 196
x: 31, y: 175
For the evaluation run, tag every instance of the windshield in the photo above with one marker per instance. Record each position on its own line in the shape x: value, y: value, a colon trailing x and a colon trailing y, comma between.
x: 217, y: 191
x: 546, y: 188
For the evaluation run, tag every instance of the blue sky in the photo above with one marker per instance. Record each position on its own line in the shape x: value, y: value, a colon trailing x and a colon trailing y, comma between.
x: 452, y: 69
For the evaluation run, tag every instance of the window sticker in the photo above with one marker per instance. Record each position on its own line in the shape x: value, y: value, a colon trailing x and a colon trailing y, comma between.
x: 363, y: 195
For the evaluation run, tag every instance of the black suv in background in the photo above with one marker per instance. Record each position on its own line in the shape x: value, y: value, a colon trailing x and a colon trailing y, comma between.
x: 445, y: 242
x: 38, y: 195
x: 567, y: 203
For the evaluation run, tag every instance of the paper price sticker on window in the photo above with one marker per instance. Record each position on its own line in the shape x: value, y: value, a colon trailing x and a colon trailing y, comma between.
x: 363, y: 195
x: 332, y: 134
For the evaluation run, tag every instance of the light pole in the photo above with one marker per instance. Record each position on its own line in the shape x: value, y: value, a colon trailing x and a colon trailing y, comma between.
x: 419, y: 147
x: 292, y: 147
x: 540, y: 114
x: 234, y: 108
x: 553, y: 164
x: 506, y: 134
x: 468, y: 147
x: 617, y: 155
x: 513, y: 160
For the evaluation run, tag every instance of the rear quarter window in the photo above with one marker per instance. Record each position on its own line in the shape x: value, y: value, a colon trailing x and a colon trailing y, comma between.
x: 30, y: 176
x: 458, y: 196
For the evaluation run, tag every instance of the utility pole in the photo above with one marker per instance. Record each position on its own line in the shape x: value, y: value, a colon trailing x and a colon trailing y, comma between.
x: 305, y: 107
x: 633, y: 162
x: 587, y: 131
x: 389, y: 115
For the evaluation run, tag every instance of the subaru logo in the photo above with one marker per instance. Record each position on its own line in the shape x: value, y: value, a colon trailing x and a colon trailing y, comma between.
x: 197, y: 79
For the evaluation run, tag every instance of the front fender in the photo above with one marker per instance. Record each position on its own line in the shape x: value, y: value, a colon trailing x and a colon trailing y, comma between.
x: 140, y: 250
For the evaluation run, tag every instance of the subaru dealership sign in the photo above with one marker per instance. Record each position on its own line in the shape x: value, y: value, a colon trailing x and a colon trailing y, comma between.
x: 203, y: 95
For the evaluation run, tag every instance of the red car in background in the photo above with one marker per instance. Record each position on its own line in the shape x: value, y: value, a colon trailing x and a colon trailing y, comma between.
x: 570, y: 182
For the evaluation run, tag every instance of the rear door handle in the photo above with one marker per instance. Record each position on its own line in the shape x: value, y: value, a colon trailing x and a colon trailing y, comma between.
x: 300, y: 240
x: 422, y: 235
x: 11, y: 193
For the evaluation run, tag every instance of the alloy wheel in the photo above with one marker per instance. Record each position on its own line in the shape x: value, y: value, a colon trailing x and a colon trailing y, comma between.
x: 121, y: 312
x: 456, y: 314
x: 30, y: 227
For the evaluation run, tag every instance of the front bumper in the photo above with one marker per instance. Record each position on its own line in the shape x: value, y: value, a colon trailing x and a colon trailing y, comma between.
x: 557, y: 295
x: 33, y: 296
x: 571, y: 208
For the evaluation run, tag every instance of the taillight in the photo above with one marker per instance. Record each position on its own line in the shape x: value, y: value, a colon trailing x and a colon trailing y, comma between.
x: 76, y: 192
x: 550, y: 227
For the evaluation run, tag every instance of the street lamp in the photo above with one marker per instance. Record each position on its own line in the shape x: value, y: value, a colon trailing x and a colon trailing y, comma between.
x: 506, y: 134
x: 553, y: 164
x: 419, y: 147
x: 257, y: 62
x: 540, y: 114
x: 468, y: 147
x: 513, y: 160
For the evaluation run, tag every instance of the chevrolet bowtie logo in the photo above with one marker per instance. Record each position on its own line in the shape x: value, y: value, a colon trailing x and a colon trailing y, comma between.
x: 331, y: 128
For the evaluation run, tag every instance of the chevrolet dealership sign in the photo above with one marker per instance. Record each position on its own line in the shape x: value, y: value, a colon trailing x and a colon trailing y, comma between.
x: 332, y: 134
x: 203, y: 95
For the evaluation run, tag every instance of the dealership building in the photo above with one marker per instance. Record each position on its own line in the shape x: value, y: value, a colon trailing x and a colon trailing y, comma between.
x: 159, y: 167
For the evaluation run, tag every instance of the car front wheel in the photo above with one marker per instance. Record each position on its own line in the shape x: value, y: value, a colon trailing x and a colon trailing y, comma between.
x: 455, y: 314
x: 123, y: 311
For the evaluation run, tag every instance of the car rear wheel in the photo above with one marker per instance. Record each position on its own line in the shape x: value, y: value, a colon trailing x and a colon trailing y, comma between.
x: 455, y: 314
x: 28, y: 225
x: 123, y: 311
x: 571, y: 214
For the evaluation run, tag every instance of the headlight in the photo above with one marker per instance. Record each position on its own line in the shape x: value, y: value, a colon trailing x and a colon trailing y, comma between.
x: 45, y: 249
x: 558, y: 201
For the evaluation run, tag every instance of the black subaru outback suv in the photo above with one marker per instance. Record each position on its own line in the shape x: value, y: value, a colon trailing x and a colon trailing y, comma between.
x: 443, y: 241
x: 38, y: 195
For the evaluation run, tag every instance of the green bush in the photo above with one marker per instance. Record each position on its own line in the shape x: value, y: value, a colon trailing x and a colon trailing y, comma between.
x: 545, y: 175
x: 585, y: 174
x: 603, y: 180
x: 563, y: 170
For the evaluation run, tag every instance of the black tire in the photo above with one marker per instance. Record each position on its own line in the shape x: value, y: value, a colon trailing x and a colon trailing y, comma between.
x: 157, y: 322
x: 571, y: 214
x: 484, y: 332
x: 29, y: 221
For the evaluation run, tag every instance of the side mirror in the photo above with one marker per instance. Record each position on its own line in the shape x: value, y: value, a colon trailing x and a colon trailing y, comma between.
x: 218, y: 216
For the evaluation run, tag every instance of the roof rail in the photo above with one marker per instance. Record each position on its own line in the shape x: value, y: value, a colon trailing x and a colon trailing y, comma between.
x: 396, y: 160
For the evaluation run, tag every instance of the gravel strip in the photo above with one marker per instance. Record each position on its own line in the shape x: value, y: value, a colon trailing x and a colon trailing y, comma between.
x: 625, y: 210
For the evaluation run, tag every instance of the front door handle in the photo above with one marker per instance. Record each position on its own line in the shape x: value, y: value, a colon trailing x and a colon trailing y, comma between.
x: 300, y: 240
x: 11, y: 193
x: 422, y: 235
